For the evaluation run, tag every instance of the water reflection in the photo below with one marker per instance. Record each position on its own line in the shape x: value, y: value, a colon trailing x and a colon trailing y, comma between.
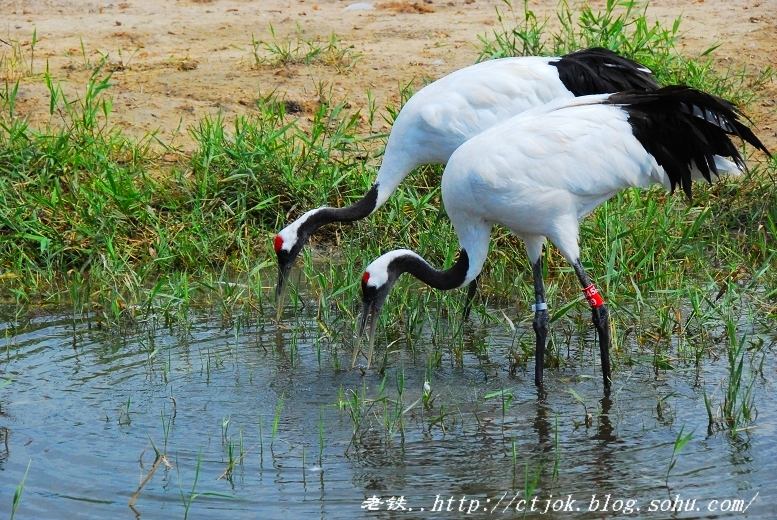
x: 260, y: 421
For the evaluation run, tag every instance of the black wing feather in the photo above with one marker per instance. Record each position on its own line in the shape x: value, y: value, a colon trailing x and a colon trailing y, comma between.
x: 601, y: 71
x: 683, y: 127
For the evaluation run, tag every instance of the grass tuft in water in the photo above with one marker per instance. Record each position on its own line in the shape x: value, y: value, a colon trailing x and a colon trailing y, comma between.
x: 679, y: 443
x: 17, y: 494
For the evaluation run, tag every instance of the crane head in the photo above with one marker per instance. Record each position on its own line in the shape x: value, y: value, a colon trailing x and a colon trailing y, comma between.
x: 375, y: 290
x: 287, y: 248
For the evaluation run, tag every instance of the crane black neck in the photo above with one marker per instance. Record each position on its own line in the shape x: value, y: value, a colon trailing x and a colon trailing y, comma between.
x: 356, y: 211
x: 445, y: 280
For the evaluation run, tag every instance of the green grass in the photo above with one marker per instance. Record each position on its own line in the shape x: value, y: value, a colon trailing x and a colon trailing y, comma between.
x: 108, y: 225
x: 17, y: 58
x: 302, y: 50
x: 92, y: 217
x: 19, y: 491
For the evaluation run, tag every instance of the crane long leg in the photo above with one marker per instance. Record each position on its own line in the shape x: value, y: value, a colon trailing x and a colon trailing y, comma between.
x: 471, y: 292
x: 540, y: 321
x: 601, y: 320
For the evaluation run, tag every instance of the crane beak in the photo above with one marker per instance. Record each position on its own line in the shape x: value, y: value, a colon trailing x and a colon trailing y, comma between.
x: 368, y: 322
x: 281, y: 289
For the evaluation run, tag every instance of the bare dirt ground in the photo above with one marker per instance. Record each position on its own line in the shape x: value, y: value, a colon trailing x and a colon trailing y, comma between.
x: 174, y: 62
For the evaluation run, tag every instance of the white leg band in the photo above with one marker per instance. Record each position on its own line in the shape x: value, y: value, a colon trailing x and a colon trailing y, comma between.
x: 539, y: 307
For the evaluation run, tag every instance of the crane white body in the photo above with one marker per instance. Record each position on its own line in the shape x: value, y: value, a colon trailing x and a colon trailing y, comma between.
x: 443, y: 115
x: 539, y: 173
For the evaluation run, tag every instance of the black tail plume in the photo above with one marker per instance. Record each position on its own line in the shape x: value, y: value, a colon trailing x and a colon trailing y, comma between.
x: 685, y: 128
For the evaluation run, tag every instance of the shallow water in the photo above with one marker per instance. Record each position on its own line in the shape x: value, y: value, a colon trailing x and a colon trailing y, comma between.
x: 85, y: 409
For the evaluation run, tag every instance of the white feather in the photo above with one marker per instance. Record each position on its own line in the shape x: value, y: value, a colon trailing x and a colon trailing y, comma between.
x: 378, y: 269
x: 289, y: 233
x: 542, y: 171
x: 444, y: 114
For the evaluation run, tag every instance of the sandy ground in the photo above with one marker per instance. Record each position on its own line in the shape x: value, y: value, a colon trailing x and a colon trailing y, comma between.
x: 175, y: 61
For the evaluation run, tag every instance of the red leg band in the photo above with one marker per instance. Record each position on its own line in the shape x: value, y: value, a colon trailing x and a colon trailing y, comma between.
x: 592, y: 295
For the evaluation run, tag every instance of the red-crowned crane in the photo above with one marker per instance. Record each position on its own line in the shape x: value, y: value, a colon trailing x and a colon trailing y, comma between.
x: 444, y: 114
x: 542, y: 171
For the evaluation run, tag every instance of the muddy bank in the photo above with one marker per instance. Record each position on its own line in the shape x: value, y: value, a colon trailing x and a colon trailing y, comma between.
x: 175, y: 62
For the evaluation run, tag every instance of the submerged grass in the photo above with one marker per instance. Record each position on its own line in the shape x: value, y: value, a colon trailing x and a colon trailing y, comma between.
x: 17, y: 494
x: 114, y: 228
